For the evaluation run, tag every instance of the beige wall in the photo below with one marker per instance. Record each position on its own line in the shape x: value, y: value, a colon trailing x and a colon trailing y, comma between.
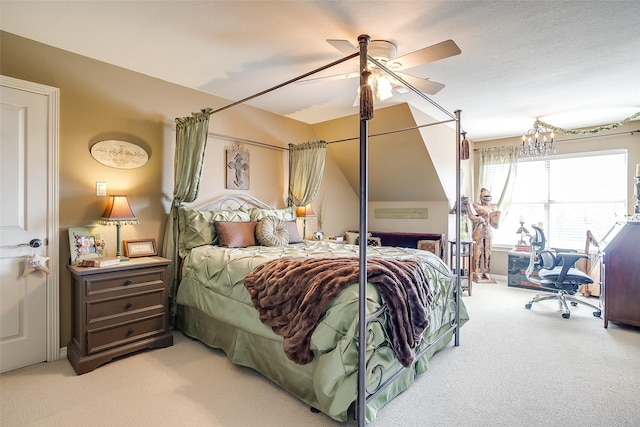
x: 99, y: 101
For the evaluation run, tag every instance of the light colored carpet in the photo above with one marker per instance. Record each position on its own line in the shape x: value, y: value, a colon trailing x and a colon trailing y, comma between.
x: 513, y: 367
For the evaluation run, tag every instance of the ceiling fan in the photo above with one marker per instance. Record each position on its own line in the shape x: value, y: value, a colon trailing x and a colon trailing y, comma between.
x: 385, y: 52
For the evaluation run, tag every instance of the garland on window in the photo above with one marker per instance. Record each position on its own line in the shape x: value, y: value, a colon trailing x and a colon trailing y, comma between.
x: 539, y: 123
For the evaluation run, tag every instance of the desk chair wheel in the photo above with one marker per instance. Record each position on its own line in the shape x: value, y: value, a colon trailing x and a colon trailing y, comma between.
x: 597, y: 313
x: 566, y: 315
x: 528, y: 305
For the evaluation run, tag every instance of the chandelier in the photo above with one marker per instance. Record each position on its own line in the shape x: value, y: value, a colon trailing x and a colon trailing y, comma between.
x: 538, y: 142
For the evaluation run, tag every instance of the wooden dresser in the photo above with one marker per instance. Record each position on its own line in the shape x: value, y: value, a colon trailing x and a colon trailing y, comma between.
x: 620, y: 271
x: 118, y: 310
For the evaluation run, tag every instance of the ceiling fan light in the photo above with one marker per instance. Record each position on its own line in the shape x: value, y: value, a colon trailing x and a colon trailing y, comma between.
x: 383, y: 88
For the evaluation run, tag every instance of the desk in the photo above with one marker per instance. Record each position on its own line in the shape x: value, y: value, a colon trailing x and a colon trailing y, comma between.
x: 621, y: 274
x: 466, y: 261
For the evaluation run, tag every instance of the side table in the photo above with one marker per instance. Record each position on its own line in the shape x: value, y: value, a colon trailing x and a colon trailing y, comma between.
x: 466, y: 262
x: 118, y: 310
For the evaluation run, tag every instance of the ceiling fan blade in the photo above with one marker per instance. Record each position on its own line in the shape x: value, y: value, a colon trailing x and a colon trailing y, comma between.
x: 343, y: 46
x: 428, y: 54
x: 423, y: 85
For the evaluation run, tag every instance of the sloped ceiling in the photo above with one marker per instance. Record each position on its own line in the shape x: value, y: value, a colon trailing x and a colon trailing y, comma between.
x: 400, y: 166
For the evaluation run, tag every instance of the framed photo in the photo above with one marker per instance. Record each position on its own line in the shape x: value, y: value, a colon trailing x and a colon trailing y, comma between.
x: 140, y: 248
x: 85, y: 243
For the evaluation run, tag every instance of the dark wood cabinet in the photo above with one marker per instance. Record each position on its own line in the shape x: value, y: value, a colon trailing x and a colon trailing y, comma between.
x: 118, y: 310
x: 620, y: 270
x: 517, y: 271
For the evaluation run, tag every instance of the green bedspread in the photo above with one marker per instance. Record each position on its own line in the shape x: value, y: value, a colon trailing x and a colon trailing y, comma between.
x: 215, y: 307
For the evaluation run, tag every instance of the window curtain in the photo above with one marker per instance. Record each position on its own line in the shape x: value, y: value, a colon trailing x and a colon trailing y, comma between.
x: 306, y: 166
x: 498, y: 169
x: 191, y: 141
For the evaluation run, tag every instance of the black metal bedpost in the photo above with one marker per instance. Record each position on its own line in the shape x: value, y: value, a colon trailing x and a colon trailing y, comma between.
x: 361, y: 404
x: 458, y: 245
x: 289, y: 200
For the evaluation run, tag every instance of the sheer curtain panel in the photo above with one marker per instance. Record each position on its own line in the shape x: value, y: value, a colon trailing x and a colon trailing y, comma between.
x: 306, y: 166
x: 498, y: 169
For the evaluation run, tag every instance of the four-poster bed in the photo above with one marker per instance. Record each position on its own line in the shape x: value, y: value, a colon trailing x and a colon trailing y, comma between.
x: 218, y: 298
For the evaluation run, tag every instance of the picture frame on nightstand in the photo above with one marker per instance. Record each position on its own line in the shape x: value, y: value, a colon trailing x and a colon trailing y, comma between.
x: 140, y: 248
x: 85, y: 243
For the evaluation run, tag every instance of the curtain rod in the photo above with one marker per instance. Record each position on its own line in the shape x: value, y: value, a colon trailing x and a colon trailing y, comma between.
x: 295, y: 79
x: 246, y: 141
x: 393, y: 131
x: 630, y: 132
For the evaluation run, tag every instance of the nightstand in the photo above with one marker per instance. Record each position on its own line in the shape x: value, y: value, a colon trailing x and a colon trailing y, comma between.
x: 118, y: 310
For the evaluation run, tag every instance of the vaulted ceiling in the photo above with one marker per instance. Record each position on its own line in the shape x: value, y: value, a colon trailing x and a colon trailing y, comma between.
x: 571, y: 63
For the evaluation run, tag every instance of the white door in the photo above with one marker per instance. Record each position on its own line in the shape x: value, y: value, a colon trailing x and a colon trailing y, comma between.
x: 28, y: 140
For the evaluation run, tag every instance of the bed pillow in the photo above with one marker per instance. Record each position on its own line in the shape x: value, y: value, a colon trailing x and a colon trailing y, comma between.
x: 285, y: 214
x: 292, y: 227
x: 236, y: 234
x: 196, y: 227
x: 272, y: 231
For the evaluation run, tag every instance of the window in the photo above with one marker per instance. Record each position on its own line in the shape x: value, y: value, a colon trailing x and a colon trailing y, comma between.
x: 567, y: 196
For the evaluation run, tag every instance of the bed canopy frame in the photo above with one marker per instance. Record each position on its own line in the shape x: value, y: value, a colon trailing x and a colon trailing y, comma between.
x: 366, y: 114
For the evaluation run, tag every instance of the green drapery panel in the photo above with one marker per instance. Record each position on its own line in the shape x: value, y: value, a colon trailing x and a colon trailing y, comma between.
x: 191, y: 142
x: 498, y: 168
x: 306, y: 169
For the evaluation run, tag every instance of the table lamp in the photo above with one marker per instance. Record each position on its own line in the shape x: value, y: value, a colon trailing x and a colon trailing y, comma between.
x: 118, y: 213
x: 523, y: 232
x: 304, y: 212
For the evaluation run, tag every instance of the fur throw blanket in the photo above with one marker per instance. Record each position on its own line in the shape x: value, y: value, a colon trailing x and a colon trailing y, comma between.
x: 291, y: 294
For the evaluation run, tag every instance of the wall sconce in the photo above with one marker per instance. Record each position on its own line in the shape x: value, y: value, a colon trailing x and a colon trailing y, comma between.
x: 118, y: 213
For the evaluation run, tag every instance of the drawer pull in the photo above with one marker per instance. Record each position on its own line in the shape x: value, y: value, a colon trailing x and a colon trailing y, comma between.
x: 128, y: 282
x: 128, y: 306
x: 129, y: 332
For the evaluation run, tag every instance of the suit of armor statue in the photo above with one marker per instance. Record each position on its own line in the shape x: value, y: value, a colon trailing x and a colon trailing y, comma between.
x: 484, y: 216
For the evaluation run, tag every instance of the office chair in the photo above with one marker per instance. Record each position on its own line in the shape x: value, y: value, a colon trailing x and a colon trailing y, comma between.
x: 557, y: 273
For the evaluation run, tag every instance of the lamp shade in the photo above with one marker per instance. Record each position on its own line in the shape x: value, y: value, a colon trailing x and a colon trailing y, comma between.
x: 118, y: 211
x: 304, y: 211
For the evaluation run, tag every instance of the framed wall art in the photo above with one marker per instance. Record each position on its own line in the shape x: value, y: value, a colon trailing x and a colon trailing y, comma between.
x: 119, y: 154
x: 85, y: 243
x: 139, y: 248
x: 238, y: 167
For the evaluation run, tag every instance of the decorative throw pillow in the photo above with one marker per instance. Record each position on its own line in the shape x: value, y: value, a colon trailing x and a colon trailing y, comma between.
x: 272, y: 231
x: 196, y: 227
x: 294, y: 236
x: 236, y: 234
x: 227, y: 215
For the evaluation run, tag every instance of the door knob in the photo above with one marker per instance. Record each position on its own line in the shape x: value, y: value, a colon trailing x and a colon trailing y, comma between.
x: 34, y: 243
